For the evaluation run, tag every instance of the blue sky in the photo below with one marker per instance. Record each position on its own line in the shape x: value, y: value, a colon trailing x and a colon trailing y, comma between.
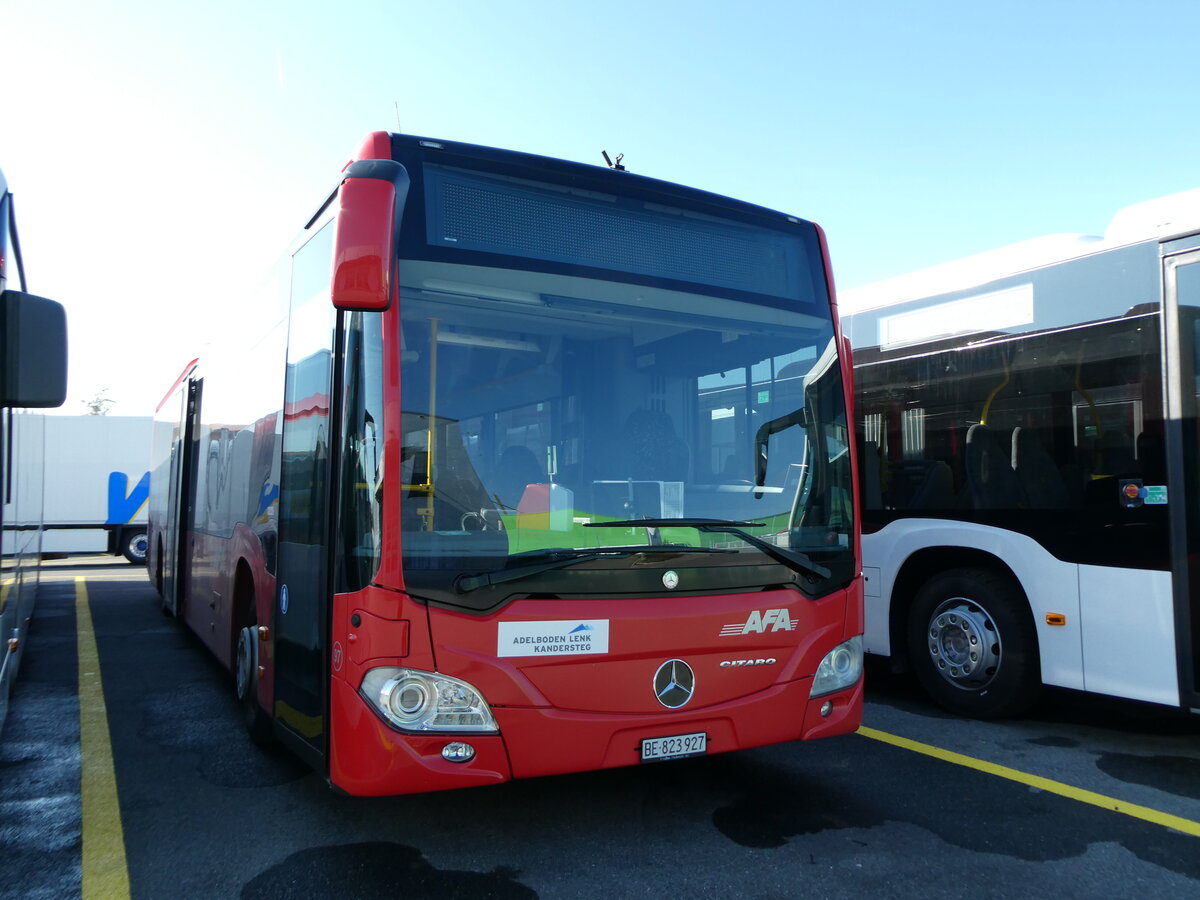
x: 163, y: 154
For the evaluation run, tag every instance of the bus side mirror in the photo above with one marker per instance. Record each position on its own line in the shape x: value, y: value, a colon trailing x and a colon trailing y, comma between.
x: 370, y: 204
x: 33, y: 370
x: 795, y: 417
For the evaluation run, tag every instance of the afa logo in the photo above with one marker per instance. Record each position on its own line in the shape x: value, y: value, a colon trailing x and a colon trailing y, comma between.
x: 759, y: 622
x: 124, y: 504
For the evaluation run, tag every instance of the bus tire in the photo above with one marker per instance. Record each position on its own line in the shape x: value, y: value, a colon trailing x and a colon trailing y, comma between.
x: 973, y: 645
x: 158, y: 573
x: 245, y: 671
x: 134, y: 545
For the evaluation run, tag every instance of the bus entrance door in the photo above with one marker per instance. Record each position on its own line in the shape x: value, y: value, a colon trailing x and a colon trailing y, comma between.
x: 1181, y: 280
x: 181, y: 484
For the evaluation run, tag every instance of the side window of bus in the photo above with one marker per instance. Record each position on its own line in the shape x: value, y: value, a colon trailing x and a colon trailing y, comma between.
x: 362, y: 451
x: 305, y: 467
x: 1045, y: 420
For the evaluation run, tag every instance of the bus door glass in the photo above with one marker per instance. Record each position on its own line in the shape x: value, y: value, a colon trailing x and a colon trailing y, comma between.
x: 302, y: 601
x: 1181, y: 276
x: 181, y: 475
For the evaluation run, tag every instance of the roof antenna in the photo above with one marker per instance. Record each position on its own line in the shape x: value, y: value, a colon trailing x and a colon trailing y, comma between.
x: 614, y: 165
x: 396, y: 103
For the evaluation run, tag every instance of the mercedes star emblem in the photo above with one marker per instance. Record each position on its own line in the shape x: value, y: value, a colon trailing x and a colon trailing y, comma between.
x: 670, y: 579
x: 674, y: 683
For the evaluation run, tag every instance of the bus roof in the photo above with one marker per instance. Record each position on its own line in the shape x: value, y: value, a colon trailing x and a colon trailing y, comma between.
x: 1163, y: 217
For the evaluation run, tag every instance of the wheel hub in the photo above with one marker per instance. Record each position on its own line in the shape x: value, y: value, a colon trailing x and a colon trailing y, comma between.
x: 245, y: 659
x: 964, y: 644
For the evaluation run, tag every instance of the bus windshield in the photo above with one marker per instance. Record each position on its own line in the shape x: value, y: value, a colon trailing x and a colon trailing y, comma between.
x: 538, y: 404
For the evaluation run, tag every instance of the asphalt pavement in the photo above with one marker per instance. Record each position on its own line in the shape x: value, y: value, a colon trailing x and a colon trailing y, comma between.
x: 1082, y: 798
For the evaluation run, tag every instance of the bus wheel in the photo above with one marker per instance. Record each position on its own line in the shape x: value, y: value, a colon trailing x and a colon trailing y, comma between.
x: 158, y: 576
x: 257, y: 723
x: 973, y: 645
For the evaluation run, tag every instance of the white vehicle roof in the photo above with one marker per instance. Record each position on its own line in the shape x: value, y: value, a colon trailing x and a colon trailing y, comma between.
x: 1157, y: 219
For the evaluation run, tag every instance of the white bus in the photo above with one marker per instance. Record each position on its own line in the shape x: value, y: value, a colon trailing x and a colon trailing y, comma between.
x: 1029, y: 453
x: 33, y: 375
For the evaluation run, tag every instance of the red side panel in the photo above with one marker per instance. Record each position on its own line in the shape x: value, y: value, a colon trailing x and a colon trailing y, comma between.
x: 377, y: 637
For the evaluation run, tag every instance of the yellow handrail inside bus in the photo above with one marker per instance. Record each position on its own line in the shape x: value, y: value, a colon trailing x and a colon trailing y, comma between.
x: 987, y: 406
x: 1099, y: 460
x: 426, y: 511
x: 1088, y: 397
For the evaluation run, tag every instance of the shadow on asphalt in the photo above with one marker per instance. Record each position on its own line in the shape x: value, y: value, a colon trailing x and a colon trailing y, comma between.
x: 1054, y: 706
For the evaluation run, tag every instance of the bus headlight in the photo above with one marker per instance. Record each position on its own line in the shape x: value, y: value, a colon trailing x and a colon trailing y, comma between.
x: 841, y: 668
x: 423, y: 701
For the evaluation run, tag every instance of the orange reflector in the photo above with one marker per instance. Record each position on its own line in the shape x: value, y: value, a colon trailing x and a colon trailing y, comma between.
x: 1056, y: 619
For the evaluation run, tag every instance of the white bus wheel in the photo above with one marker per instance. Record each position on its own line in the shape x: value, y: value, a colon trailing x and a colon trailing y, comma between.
x: 972, y: 643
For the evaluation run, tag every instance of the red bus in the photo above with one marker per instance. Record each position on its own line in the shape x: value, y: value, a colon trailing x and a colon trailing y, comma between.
x: 532, y: 467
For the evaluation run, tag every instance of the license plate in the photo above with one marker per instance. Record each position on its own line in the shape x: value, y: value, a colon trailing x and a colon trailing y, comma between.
x: 675, y: 746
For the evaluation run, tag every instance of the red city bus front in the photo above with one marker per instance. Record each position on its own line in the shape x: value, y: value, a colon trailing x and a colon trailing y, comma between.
x: 612, y: 520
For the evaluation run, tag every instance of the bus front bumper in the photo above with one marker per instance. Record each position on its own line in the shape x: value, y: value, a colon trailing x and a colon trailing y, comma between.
x: 370, y: 758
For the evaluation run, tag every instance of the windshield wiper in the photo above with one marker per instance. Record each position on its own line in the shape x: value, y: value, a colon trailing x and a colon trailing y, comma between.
x: 793, y: 559
x: 466, y: 583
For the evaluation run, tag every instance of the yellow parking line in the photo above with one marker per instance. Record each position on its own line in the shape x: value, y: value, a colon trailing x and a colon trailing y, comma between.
x: 1187, y: 826
x: 104, y: 869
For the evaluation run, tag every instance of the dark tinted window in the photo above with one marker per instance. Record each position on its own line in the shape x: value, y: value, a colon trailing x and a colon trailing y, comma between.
x: 1026, y: 430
